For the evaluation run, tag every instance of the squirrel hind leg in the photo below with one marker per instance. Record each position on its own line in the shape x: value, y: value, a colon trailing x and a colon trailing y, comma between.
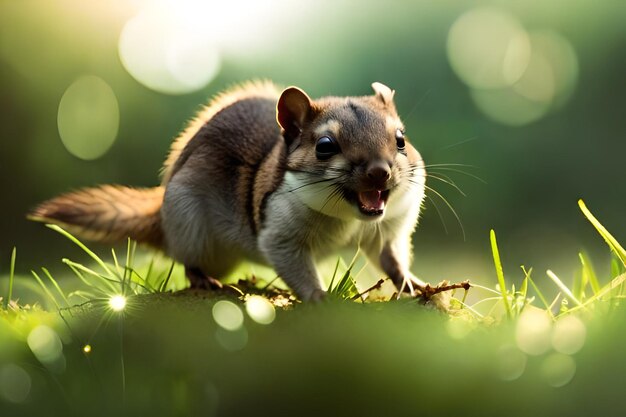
x: 201, y: 281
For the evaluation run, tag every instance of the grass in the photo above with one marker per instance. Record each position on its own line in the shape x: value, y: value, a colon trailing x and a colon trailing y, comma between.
x: 168, y: 354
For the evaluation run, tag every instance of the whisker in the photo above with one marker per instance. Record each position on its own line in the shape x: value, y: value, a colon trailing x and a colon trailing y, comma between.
x: 458, y: 219
x: 460, y: 172
x: 464, y: 141
x: 443, y: 222
x: 333, y: 195
x: 418, y: 103
x: 318, y: 182
x: 310, y: 183
x: 449, y: 182
x: 450, y: 165
x: 320, y: 172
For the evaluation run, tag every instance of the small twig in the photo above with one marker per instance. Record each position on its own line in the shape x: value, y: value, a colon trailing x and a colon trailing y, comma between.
x: 427, y: 292
x: 372, y: 288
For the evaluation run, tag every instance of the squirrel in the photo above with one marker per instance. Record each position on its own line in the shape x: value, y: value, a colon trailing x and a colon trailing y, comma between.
x: 271, y: 177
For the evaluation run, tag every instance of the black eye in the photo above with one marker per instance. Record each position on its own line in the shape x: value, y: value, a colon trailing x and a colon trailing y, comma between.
x: 326, y: 147
x: 400, y: 139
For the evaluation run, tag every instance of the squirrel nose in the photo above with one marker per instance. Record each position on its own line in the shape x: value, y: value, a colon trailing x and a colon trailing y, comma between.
x: 378, y: 172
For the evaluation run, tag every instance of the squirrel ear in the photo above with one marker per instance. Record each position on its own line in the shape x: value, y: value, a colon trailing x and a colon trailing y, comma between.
x: 384, y: 93
x: 292, y: 110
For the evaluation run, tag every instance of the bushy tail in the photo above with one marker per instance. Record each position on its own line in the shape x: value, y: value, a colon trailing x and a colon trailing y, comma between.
x: 109, y: 214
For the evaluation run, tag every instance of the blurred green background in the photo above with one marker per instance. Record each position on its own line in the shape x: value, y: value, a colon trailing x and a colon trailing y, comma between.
x: 531, y: 94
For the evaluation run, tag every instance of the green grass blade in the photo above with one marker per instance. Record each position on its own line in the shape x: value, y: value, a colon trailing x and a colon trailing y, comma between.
x: 116, y: 263
x: 614, y: 284
x: 56, y: 286
x: 563, y: 288
x: 524, y: 288
x: 166, y: 281
x: 127, y: 268
x: 108, y: 282
x: 589, y: 272
x: 346, y: 287
x: 78, y: 243
x: 332, y: 280
x: 46, y: 290
x: 11, y: 276
x: 523, y: 294
x: 543, y: 299
x: 482, y: 287
x: 149, y: 274
x: 616, y: 267
x: 608, y: 238
x: 85, y: 295
x: 341, y: 283
x: 79, y: 275
x: 579, y: 284
x: 500, y: 272
x: 140, y: 282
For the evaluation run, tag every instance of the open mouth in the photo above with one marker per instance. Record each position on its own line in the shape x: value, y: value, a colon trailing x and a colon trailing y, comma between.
x: 372, y: 203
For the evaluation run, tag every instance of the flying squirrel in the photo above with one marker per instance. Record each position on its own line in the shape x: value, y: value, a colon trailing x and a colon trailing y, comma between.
x: 270, y: 177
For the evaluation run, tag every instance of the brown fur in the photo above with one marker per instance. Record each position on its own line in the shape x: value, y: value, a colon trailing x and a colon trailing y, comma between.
x: 266, y: 181
x: 219, y: 102
x: 109, y: 213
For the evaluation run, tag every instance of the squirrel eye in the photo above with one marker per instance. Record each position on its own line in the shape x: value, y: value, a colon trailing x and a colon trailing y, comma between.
x: 326, y: 147
x: 400, y: 139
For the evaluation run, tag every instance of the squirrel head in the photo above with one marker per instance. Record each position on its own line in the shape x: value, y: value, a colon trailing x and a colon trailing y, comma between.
x: 354, y: 147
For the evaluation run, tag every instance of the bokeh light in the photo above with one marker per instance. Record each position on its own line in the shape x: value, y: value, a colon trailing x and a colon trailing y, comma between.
x: 515, y: 77
x: 558, y: 369
x: 87, y: 349
x: 227, y: 315
x: 511, y: 363
x: 260, y: 309
x: 176, y: 46
x: 560, y: 55
x: 45, y: 345
x: 488, y: 48
x: 569, y: 335
x: 232, y: 340
x: 117, y: 302
x: 458, y: 328
x: 15, y: 383
x: 166, y: 52
x: 508, y: 107
x: 88, y: 117
x: 533, y: 331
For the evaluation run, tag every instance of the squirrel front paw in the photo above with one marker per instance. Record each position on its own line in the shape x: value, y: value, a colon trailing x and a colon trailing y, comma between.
x: 316, y: 296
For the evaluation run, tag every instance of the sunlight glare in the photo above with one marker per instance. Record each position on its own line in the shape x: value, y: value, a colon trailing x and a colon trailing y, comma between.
x: 117, y: 302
